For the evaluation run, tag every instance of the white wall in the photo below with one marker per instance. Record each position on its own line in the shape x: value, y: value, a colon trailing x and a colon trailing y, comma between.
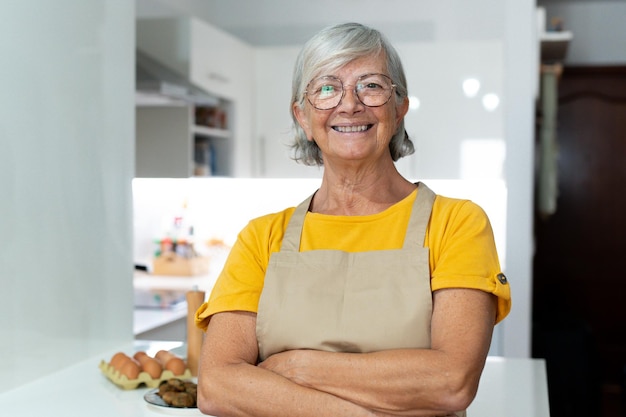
x: 66, y: 162
x: 446, y: 126
x: 520, y: 83
x: 273, y: 126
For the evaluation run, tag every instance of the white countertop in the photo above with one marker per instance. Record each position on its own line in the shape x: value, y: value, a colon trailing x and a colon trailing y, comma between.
x: 145, y: 280
x: 146, y: 319
x: 509, y: 387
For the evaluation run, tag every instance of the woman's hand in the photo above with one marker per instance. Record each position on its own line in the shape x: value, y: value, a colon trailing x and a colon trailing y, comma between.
x: 294, y: 365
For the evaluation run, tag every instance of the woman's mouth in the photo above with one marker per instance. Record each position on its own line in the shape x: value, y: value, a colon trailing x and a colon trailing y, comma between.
x: 352, y: 129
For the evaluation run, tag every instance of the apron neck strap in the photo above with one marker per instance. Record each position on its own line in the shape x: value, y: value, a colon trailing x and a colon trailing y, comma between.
x: 420, y: 216
x: 291, y: 240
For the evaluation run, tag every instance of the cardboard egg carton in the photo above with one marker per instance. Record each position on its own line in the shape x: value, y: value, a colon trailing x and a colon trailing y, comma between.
x: 144, y: 378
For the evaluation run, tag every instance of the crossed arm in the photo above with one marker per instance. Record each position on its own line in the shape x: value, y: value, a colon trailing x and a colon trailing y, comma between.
x: 403, y: 382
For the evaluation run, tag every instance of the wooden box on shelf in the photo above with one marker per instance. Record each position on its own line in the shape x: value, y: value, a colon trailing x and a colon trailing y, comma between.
x: 172, y: 264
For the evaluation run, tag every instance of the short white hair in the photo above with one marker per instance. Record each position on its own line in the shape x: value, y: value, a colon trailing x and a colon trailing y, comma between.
x: 330, y: 49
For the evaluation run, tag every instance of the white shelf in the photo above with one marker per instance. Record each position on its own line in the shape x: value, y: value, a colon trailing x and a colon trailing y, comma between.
x: 211, y: 131
x: 562, y: 36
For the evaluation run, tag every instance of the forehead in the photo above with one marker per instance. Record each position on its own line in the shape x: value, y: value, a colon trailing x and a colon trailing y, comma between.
x: 369, y: 64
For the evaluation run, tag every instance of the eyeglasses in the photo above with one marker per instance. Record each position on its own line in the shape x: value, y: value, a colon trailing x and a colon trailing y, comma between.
x: 326, y: 92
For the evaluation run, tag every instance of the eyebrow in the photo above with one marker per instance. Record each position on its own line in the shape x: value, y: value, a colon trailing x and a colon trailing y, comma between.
x: 360, y: 76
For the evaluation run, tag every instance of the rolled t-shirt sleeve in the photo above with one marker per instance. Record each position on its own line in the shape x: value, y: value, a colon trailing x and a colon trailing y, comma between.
x: 463, y: 251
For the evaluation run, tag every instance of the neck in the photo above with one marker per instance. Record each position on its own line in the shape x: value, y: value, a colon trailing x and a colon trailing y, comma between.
x: 360, y: 192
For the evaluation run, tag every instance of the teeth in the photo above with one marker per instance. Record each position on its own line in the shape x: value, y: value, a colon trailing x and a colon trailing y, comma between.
x: 348, y: 129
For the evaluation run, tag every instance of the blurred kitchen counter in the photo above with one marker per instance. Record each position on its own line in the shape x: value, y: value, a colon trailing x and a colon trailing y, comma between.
x: 83, y: 390
x: 160, y: 311
x: 509, y: 387
x: 146, y: 280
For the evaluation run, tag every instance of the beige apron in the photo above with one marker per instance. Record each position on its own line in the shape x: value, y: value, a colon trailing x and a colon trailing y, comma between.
x: 348, y: 302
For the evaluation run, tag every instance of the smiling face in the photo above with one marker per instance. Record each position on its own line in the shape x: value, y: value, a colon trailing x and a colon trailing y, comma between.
x: 352, y: 131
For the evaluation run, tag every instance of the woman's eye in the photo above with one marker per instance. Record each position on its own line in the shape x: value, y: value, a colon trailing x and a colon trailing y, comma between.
x: 372, y: 86
x: 326, y: 90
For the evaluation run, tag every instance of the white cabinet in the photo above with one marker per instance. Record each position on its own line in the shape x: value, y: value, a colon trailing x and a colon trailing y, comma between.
x: 163, y: 142
x: 169, y: 144
x: 212, y: 59
x: 217, y: 63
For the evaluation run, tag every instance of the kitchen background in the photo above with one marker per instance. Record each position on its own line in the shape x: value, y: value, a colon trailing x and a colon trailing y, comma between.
x: 71, y: 143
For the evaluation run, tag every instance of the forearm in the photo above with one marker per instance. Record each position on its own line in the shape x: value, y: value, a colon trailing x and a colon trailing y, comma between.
x: 246, y: 390
x: 399, y: 382
x: 230, y: 384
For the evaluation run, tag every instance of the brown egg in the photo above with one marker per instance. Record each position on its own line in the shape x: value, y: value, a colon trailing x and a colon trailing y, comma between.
x: 131, y: 369
x: 163, y: 356
x: 118, y: 359
x: 151, y: 366
x: 171, y: 362
x: 176, y: 365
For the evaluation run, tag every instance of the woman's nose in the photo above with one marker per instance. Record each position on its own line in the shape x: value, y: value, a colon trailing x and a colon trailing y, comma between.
x: 350, y: 101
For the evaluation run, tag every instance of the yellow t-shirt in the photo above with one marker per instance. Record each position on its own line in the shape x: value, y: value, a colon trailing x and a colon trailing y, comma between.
x: 459, y: 237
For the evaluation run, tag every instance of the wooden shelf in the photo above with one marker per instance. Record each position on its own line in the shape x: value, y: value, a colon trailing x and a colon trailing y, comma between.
x: 554, y: 46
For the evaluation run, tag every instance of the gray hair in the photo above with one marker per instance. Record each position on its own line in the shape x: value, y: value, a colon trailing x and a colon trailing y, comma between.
x: 330, y: 49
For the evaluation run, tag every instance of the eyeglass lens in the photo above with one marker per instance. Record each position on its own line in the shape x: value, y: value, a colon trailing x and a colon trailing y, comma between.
x: 326, y: 92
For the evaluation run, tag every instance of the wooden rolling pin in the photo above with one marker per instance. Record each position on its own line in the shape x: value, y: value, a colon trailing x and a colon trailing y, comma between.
x: 195, y: 335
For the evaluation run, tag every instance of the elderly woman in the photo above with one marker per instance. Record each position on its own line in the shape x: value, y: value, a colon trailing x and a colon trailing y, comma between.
x: 373, y: 297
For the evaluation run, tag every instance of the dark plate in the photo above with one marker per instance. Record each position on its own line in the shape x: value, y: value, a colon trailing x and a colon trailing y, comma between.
x: 158, y: 404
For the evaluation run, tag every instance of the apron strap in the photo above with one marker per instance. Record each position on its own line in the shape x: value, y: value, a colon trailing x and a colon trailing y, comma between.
x: 420, y: 216
x: 291, y: 240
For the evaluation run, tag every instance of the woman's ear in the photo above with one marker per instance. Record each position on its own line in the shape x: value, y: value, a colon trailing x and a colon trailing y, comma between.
x: 401, y: 110
x: 302, y: 119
